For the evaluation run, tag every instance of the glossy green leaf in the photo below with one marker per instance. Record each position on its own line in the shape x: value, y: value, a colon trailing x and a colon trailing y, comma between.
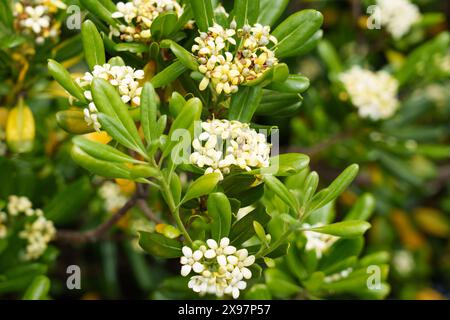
x: 309, y: 45
x: 280, y: 284
x: 38, y: 289
x: 258, y: 292
x: 244, y: 103
x: 133, y: 47
x: 202, y: 186
x: 270, y: 11
x: 286, y: 164
x: 296, y: 30
x: 275, y: 103
x: 203, y: 13
x: 295, y: 83
x: 281, y: 191
x: 245, y: 12
x: 72, y: 121
x: 99, y: 10
x: 160, y: 246
x: 176, y: 104
x: 169, y: 74
x: 100, y: 167
x: 184, y: 56
x: 149, y: 110
x: 62, y: 76
x: 344, y: 229
x: 362, y: 209
x: 278, y: 73
x: 164, y: 25
x: 94, y: 51
x: 243, y: 229
x: 219, y: 210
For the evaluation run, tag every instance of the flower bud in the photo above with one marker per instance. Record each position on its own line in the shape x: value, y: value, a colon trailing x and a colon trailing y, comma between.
x: 72, y: 121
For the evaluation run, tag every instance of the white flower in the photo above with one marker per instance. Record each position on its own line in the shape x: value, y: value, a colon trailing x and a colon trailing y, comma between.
x: 403, y: 261
x: 227, y: 71
x: 138, y: 16
x: 38, y: 234
x: 18, y: 205
x: 112, y: 195
x: 398, y: 16
x: 223, y: 144
x: 125, y: 78
x: 36, y: 18
x: 318, y: 242
x: 220, y: 268
x: 373, y: 93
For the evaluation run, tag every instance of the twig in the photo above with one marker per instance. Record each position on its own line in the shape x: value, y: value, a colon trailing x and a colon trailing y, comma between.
x: 97, y: 233
x: 147, y: 211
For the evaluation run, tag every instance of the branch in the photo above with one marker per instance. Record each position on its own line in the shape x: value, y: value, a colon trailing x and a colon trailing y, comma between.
x: 97, y: 233
x: 147, y: 211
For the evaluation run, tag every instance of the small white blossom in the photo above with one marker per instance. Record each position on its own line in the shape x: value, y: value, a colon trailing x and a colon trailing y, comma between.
x: 373, y: 93
x: 227, y: 71
x: 125, y: 78
x: 111, y: 193
x: 36, y: 18
x: 318, y: 242
x: 137, y: 16
x: 219, y: 267
x: 38, y: 234
x: 223, y: 144
x: 398, y: 16
x: 403, y: 262
x: 18, y: 205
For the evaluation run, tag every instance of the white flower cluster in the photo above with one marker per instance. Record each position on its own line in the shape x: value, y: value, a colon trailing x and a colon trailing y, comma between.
x: 138, y: 16
x: 398, y: 16
x: 221, y: 268
x: 338, y: 276
x: 318, y: 242
x: 112, y: 195
x: 36, y: 17
x: 223, y: 144
x: 373, y: 93
x: 227, y: 71
x: 125, y: 78
x: 38, y: 232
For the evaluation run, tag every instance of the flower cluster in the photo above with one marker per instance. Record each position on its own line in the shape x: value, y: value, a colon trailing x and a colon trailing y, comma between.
x: 125, y: 78
x: 373, y: 93
x: 36, y: 18
x: 318, y: 242
x: 398, y: 16
x: 221, y: 269
x: 138, y: 16
x: 38, y: 231
x: 225, y: 70
x: 112, y: 195
x: 223, y: 144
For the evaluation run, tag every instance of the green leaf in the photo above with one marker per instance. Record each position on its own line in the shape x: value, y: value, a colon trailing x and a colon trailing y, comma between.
x: 160, y: 246
x: 176, y: 104
x: 169, y: 74
x: 309, y: 45
x: 279, y: 104
x: 260, y: 233
x: 243, y: 229
x: 280, y: 284
x: 103, y: 151
x: 295, y: 31
x: 118, y: 132
x: 99, y: 10
x: 6, y: 14
x: 11, y: 41
x: 203, y: 13
x: 258, y: 292
x: 133, y: 47
x: 62, y: 76
x: 164, y: 25
x: 331, y: 58
x: 244, y: 103
x: 38, y: 289
x: 281, y: 191
x: 149, y: 110
x: 362, y: 209
x: 203, y: 185
x: 220, y: 211
x: 108, y: 101
x: 72, y: 121
x: 184, y: 56
x: 245, y: 12
x: 344, y: 229
x: 295, y: 83
x: 286, y: 164
x: 277, y: 73
x: 190, y: 113
x: 66, y: 205
x: 270, y: 11
x: 335, y: 188
x: 100, y: 167
x: 94, y: 51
